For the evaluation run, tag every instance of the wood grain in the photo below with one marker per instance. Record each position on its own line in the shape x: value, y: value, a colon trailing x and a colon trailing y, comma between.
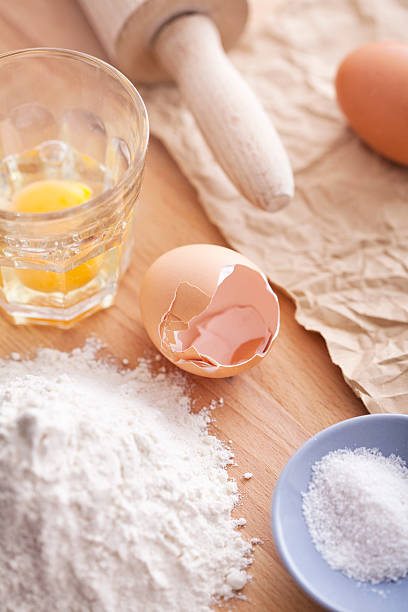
x: 270, y: 411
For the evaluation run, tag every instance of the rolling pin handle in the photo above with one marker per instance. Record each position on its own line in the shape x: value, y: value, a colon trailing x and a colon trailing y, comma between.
x: 232, y: 120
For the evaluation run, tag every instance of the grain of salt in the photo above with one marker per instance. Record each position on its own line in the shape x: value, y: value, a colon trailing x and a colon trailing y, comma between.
x: 356, y: 509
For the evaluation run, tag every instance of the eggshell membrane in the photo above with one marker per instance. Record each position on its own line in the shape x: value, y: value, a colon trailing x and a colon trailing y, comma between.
x: 372, y: 91
x: 198, y: 299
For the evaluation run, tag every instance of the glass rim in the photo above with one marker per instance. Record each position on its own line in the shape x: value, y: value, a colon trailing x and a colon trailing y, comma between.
x: 109, y: 195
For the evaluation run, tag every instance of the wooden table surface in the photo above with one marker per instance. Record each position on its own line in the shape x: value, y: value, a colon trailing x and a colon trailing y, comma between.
x: 268, y: 412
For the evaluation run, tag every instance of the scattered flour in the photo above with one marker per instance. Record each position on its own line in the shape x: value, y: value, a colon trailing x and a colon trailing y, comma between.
x: 236, y: 579
x: 356, y: 509
x: 113, y: 496
x: 256, y: 541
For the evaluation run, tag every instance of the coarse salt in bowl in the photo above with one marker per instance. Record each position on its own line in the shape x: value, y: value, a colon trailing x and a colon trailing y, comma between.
x: 331, y: 588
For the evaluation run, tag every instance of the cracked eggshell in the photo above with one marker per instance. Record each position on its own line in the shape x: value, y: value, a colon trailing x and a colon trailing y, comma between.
x: 209, y: 310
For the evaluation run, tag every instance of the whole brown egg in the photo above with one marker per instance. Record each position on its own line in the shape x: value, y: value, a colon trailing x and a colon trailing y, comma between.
x: 372, y: 91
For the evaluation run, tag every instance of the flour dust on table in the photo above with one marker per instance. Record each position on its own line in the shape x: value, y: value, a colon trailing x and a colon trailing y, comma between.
x: 113, y: 495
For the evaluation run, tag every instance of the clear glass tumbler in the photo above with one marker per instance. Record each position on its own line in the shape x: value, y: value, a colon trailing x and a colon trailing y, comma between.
x: 73, y: 139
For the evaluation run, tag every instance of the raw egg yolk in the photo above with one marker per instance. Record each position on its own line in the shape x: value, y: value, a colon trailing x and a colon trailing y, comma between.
x: 50, y: 196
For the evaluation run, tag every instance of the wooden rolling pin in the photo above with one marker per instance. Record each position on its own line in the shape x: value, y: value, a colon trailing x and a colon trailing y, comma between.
x: 151, y: 40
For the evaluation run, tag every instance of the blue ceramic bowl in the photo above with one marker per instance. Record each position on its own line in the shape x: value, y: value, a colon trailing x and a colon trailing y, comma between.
x: 330, y: 588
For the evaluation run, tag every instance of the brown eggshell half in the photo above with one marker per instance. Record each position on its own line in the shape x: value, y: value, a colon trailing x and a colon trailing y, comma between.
x: 209, y: 310
x: 372, y: 91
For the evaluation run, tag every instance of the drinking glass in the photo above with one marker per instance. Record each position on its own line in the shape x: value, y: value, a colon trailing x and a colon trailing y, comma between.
x: 67, y: 116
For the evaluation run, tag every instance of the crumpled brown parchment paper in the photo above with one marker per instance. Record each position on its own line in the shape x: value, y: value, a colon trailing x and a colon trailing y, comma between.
x: 341, y: 248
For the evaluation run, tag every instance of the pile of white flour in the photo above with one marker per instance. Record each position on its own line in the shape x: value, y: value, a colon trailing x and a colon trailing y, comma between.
x: 113, y: 496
